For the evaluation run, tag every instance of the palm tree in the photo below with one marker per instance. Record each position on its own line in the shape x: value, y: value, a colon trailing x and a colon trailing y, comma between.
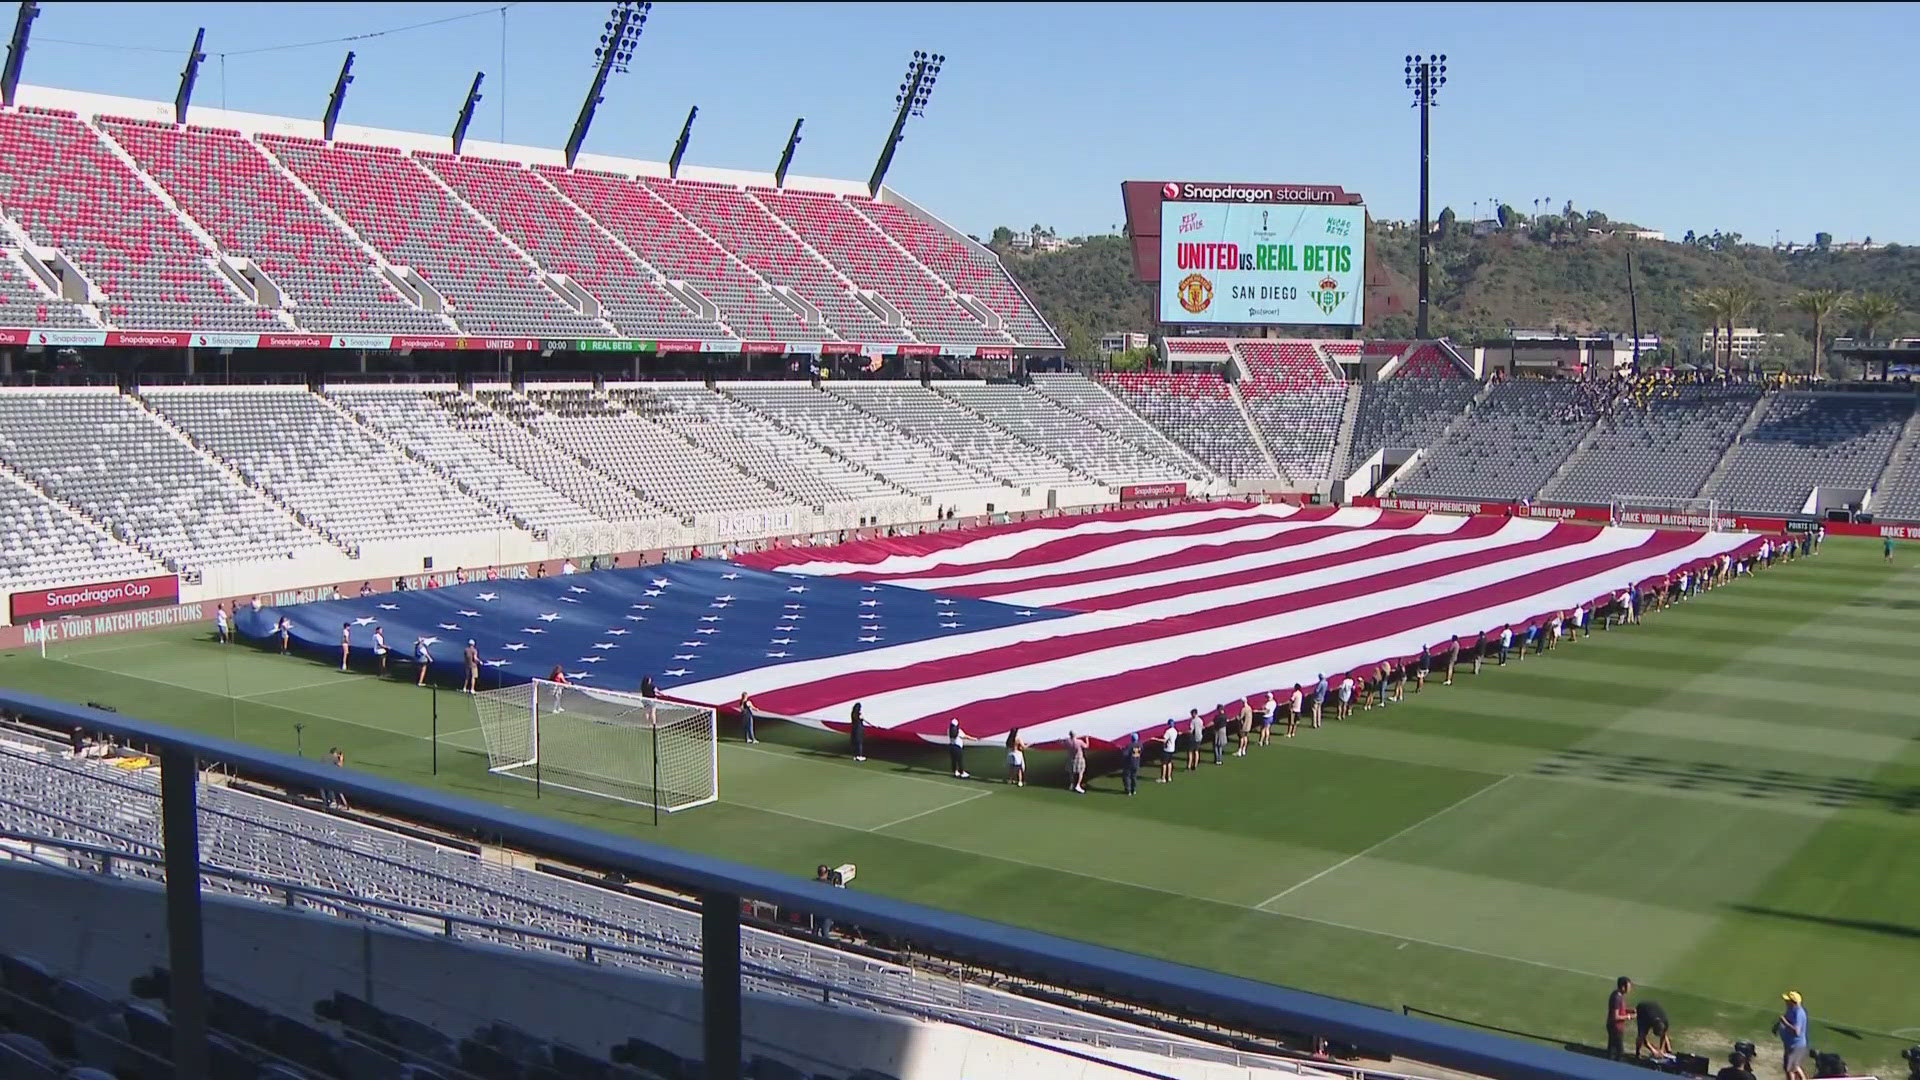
x: 1712, y: 305
x: 1872, y: 310
x: 1741, y: 302
x: 1819, y: 305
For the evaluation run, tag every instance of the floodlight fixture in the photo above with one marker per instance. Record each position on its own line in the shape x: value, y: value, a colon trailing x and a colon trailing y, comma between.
x: 1424, y: 75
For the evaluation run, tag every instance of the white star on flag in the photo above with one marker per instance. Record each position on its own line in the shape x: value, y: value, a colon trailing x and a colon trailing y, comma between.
x: 389, y: 607
x: 575, y: 589
x: 868, y: 615
x: 650, y: 592
x: 676, y: 672
x: 869, y: 639
x: 641, y: 607
x: 605, y: 645
x: 943, y: 601
x: 777, y: 655
x: 363, y: 620
x: 784, y: 629
x: 692, y: 644
x: 797, y: 588
x: 636, y: 618
x: 589, y: 659
x: 549, y: 617
x: 579, y: 674
x: 869, y: 588
x: 566, y: 599
x: 728, y: 577
x: 449, y: 626
x: 470, y: 614
x: 725, y: 599
x: 687, y: 656
x: 531, y: 630
x: 794, y: 607
x: 488, y: 596
x: 781, y: 641
x: 514, y: 646
x: 706, y: 630
x: 1024, y: 614
x: 949, y: 625
x: 869, y: 603
x: 429, y: 641
x: 496, y: 663
x: 661, y: 582
x: 709, y: 618
x: 618, y: 632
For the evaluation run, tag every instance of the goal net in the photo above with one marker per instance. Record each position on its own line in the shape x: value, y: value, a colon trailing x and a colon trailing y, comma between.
x: 602, y: 742
x: 1666, y: 513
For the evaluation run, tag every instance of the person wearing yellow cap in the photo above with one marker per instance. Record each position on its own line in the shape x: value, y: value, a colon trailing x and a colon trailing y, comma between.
x: 1792, y: 1029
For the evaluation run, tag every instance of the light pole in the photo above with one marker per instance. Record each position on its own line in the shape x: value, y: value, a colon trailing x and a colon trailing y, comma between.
x: 915, y: 88
x: 1425, y: 76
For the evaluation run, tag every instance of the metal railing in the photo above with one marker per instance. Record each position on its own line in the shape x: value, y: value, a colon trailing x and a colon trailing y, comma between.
x: 722, y: 886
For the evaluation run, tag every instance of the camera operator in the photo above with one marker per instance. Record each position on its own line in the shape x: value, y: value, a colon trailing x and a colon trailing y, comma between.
x: 1739, y: 1064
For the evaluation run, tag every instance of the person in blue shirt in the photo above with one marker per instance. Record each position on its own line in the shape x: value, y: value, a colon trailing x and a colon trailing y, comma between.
x: 1130, y: 765
x: 1319, y: 698
x: 1792, y: 1029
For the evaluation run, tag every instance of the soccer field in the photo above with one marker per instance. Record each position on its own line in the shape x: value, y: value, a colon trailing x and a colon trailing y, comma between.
x: 1723, y: 803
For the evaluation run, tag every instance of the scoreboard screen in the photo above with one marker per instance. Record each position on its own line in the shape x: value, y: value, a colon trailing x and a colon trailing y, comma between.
x: 1242, y: 263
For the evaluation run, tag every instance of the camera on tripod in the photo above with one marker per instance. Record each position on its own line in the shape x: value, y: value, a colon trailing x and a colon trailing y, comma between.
x: 1912, y: 1054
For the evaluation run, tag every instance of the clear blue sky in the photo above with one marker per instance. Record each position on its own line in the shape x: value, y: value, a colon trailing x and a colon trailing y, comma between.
x: 1748, y: 118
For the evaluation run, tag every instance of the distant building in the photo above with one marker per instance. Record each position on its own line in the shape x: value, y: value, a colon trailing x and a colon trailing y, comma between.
x: 1558, y: 354
x: 1121, y: 341
x: 1044, y: 243
x: 1748, y: 342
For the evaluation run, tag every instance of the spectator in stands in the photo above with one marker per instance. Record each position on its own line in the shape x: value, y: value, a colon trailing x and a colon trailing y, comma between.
x: 824, y: 875
x: 567, y: 568
x: 285, y: 630
x: 399, y: 584
x: 857, y: 733
x: 346, y: 644
x: 747, y: 717
x: 422, y: 659
x: 956, y: 748
x: 1294, y: 702
x: 366, y: 588
x: 1169, y: 749
x: 380, y: 649
x: 1319, y: 698
x: 1017, y: 759
x: 1130, y: 765
x: 1792, y: 1029
x: 333, y: 799
x: 334, y: 593
x: 1196, y: 728
x: 77, y: 740
x: 1652, y: 1021
x: 1618, y: 1013
x: 222, y: 630
x: 470, y: 656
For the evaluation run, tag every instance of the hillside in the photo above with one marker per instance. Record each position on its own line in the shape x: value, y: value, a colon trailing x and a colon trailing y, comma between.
x: 1531, y: 275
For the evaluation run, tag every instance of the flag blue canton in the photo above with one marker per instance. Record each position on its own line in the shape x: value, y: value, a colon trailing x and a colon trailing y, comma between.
x: 678, y: 622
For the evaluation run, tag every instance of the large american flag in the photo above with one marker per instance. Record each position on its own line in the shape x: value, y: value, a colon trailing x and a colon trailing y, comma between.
x: 1155, y: 612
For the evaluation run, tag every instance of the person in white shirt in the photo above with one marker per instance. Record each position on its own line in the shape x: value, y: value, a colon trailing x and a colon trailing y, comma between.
x: 1169, y: 749
x: 346, y: 644
x: 380, y: 649
x: 220, y: 626
x: 567, y: 567
x: 1346, y: 698
x: 1076, y: 764
x: 1267, y: 710
x: 1293, y: 710
x: 1506, y: 643
x: 1016, y: 759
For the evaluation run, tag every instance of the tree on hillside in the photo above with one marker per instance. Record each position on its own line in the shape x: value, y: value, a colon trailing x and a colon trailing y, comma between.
x: 1823, y: 240
x: 1872, y: 310
x: 1446, y: 221
x: 1819, y: 305
x: 1002, y: 236
x: 1742, y: 300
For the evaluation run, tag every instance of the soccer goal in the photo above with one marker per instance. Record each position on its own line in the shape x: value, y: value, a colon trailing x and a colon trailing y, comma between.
x: 602, y: 742
x: 1667, y: 513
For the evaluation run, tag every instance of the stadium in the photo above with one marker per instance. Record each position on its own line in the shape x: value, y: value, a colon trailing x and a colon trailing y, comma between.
x: 494, y: 611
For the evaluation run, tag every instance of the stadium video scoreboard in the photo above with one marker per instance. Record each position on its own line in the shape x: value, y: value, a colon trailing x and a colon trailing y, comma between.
x: 1251, y: 254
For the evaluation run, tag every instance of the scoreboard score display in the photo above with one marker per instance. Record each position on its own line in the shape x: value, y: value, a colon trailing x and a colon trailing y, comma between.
x: 1261, y: 263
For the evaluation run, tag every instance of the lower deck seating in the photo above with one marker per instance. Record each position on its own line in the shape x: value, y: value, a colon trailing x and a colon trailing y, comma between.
x: 1804, y: 441
x: 1301, y: 424
x: 1408, y: 413
x: 1199, y: 413
x: 1663, y: 446
x: 1507, y: 446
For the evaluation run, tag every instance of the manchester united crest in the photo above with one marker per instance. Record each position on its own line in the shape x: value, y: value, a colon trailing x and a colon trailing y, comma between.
x: 1196, y: 293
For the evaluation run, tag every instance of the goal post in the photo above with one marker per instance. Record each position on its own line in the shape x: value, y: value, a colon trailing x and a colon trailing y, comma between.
x: 602, y: 742
x: 1701, y: 513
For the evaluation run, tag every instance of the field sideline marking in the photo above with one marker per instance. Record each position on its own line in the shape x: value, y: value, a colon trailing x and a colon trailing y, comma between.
x: 1455, y: 805
x: 934, y: 810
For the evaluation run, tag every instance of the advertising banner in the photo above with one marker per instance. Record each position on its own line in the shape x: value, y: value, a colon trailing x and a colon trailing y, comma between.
x: 1142, y: 492
x: 103, y: 596
x: 1245, y: 263
x: 151, y: 339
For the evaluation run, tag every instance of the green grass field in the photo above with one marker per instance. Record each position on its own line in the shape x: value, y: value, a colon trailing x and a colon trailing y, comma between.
x: 1723, y: 803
